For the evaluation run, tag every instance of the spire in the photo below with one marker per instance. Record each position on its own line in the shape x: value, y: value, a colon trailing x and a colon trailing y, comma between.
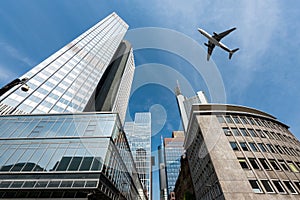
x: 177, y: 89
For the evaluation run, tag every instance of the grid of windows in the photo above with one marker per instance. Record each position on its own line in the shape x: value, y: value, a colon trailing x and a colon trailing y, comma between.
x: 81, y: 146
x: 65, y: 81
x: 266, y: 137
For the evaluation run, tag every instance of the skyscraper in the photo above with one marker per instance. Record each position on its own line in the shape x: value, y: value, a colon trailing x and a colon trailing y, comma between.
x: 236, y: 152
x: 185, y: 105
x: 162, y: 172
x: 97, y: 65
x: 139, y: 138
x: 173, y: 151
x: 52, y: 144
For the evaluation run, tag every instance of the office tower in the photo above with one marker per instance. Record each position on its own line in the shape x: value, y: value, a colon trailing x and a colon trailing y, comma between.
x: 173, y: 151
x: 185, y: 104
x: 162, y: 172
x: 81, y: 156
x: 57, y: 148
x: 96, y: 66
x: 138, y: 133
x: 236, y: 152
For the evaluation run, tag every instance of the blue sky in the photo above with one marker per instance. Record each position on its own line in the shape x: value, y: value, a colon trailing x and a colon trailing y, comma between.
x: 263, y: 74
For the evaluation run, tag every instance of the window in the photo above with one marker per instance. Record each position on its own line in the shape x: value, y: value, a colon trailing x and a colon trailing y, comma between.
x: 278, y: 186
x: 243, y: 163
x: 244, y: 132
x: 279, y: 149
x: 267, y: 185
x: 227, y: 131
x: 271, y: 148
x: 253, y: 163
x: 234, y: 146
x: 252, y: 133
x: 292, y: 166
x: 290, y: 187
x: 265, y: 164
x: 262, y: 147
x: 228, y: 119
x: 235, y: 132
x: 255, y: 186
x: 253, y: 146
x: 244, y: 146
x: 274, y: 164
x: 221, y: 119
x: 297, y: 183
x: 236, y: 120
x: 283, y: 165
x: 244, y: 120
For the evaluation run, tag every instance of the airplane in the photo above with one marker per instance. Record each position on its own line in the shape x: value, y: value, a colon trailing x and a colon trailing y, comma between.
x: 215, y: 41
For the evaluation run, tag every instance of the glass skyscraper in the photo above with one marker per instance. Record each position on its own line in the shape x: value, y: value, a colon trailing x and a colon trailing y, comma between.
x: 53, y: 141
x: 139, y: 138
x: 70, y: 79
x: 173, y: 151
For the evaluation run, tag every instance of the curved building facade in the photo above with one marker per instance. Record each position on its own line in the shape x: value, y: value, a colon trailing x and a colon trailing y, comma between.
x: 236, y: 152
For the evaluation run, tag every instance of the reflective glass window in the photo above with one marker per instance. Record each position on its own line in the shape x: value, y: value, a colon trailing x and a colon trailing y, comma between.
x: 86, y: 163
x: 74, y: 165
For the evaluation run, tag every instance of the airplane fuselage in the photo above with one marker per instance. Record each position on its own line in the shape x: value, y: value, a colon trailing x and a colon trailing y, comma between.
x: 213, y: 40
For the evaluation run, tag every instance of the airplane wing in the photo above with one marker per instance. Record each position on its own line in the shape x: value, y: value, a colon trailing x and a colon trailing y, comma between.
x: 210, y: 48
x: 219, y: 36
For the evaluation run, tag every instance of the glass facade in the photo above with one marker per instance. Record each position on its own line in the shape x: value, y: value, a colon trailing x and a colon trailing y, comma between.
x: 64, y: 151
x: 173, y: 151
x: 139, y: 138
x: 66, y: 80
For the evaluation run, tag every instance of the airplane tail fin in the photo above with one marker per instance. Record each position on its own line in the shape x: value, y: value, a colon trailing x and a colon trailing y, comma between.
x: 232, y: 51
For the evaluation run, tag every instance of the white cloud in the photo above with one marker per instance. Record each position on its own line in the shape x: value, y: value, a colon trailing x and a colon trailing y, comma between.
x: 16, y: 54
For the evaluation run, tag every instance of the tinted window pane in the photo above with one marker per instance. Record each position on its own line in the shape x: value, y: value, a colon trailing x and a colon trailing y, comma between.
x: 53, y: 184
x: 63, y: 164
x: 29, y: 184
x: 66, y: 183
x: 91, y: 184
x: 97, y: 164
x: 75, y: 164
x: 86, y: 163
x: 78, y: 183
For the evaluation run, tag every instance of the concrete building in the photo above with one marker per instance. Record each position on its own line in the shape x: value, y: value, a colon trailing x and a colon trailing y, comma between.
x: 58, y: 156
x: 236, y: 152
x: 184, y: 188
x: 93, y: 72
x: 139, y: 137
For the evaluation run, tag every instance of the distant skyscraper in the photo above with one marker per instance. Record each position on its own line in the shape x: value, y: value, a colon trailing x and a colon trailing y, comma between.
x: 162, y: 172
x: 96, y: 66
x: 139, y: 137
x: 185, y: 104
x: 173, y: 151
